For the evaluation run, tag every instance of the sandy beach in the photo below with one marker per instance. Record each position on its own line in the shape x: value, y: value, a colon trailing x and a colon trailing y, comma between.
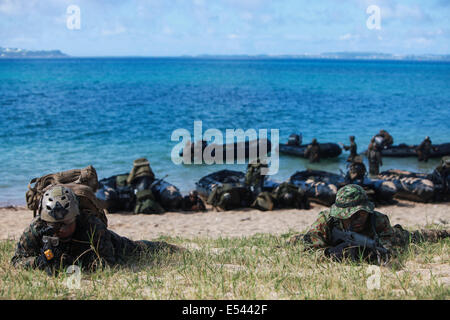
x: 237, y: 223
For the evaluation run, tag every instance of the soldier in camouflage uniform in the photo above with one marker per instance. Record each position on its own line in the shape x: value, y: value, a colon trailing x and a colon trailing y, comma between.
x: 356, y: 171
x: 353, y: 149
x: 254, y: 179
x: 388, y: 140
x: 288, y: 195
x: 312, y: 151
x: 353, y: 211
x: 374, y: 157
x: 285, y: 196
x: 440, y: 177
x: 192, y: 202
x: 61, y: 236
x: 229, y: 197
x: 424, y: 149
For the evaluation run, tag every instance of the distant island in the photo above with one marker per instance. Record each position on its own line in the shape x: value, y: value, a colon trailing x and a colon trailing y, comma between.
x: 337, y: 56
x: 22, y: 53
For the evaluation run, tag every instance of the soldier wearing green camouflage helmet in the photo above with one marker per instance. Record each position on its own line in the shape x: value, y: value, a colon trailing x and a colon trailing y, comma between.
x: 62, y: 235
x: 353, y: 211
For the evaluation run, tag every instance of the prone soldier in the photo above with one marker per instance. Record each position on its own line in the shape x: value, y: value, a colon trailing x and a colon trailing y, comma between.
x: 62, y: 235
x: 355, y: 218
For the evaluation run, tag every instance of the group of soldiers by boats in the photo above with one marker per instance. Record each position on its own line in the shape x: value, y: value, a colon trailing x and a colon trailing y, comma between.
x: 70, y: 208
x: 140, y: 192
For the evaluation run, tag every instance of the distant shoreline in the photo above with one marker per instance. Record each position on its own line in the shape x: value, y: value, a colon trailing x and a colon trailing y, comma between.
x: 225, y: 59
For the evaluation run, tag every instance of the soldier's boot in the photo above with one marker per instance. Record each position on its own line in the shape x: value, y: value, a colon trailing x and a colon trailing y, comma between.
x: 432, y: 235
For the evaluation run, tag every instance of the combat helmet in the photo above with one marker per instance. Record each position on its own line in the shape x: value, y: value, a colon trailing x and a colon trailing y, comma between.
x: 349, y: 200
x: 59, y: 204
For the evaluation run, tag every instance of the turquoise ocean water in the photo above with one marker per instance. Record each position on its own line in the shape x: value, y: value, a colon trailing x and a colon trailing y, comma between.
x: 68, y: 113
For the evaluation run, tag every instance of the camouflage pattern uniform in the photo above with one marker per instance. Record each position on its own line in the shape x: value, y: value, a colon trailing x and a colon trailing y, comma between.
x: 440, y: 177
x: 287, y: 195
x: 356, y: 171
x: 387, y: 138
x: 229, y: 196
x: 141, y: 169
x: 353, y: 149
x: 375, y: 161
x: 253, y: 177
x: 424, y: 150
x: 92, y: 245
x: 312, y: 152
x: 349, y: 200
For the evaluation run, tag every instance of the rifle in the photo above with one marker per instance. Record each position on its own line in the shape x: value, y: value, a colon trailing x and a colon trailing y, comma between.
x: 354, y: 239
x: 51, y: 249
x: 158, y: 181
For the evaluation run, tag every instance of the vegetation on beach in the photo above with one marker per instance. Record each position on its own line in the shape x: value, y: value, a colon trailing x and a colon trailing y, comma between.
x: 262, y: 266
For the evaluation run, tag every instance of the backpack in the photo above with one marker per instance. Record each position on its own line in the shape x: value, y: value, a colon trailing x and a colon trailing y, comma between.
x: 83, y: 182
x: 145, y: 203
x: 239, y: 197
x: 264, y: 201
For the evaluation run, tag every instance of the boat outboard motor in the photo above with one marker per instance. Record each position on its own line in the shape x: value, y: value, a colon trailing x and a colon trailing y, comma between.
x: 295, y: 139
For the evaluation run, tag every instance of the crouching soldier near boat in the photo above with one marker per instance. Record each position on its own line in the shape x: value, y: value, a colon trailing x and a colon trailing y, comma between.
x: 356, y: 171
x: 228, y: 197
x: 440, y: 177
x: 424, y: 149
x: 285, y: 196
x: 352, y: 229
x: 254, y: 178
x: 63, y: 234
x: 192, y: 202
x: 312, y: 151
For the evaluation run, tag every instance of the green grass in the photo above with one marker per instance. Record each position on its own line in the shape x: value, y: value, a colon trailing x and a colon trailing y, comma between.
x: 256, y: 267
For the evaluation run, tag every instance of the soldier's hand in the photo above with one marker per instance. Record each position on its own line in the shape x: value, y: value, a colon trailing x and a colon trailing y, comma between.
x: 41, y: 262
x: 337, y: 252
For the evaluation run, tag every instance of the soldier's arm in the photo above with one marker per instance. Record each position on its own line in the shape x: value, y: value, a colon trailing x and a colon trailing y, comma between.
x: 28, y: 249
x: 392, y: 238
x: 307, y: 151
x: 101, y: 253
x: 318, y: 234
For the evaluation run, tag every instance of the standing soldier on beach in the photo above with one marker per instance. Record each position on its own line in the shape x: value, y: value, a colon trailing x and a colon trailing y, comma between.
x: 352, y: 147
x: 424, y: 149
x: 374, y: 157
x: 353, y: 212
x: 312, y: 152
x: 63, y: 235
x: 254, y: 178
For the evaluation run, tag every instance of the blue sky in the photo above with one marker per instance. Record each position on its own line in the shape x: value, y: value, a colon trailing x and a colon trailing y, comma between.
x: 192, y: 27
